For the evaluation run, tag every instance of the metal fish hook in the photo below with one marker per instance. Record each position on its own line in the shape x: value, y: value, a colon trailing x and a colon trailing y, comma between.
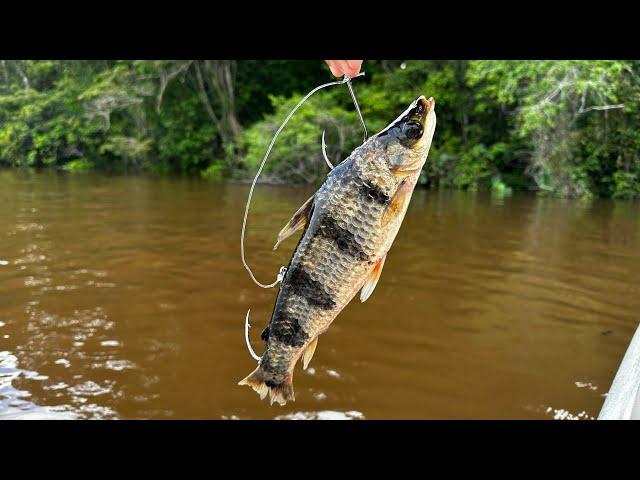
x: 355, y: 103
x: 283, y: 270
x: 246, y: 337
x: 364, y: 127
x: 324, y: 152
x: 264, y: 161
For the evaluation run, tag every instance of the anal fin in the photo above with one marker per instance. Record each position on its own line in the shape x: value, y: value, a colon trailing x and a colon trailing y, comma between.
x: 372, y: 280
x: 308, y: 353
x: 298, y: 221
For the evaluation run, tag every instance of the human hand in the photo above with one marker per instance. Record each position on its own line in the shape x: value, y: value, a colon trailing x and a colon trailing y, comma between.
x: 350, y: 68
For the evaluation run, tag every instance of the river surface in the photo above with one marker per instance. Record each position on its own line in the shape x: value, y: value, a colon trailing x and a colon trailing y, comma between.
x: 124, y: 297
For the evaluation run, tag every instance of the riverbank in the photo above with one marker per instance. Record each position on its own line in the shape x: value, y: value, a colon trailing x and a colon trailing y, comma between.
x: 569, y: 128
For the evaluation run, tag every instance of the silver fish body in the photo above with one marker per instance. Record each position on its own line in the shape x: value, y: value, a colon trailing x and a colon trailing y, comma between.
x: 351, y: 223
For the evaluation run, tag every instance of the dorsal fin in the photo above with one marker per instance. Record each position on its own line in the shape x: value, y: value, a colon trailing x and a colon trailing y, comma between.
x: 298, y: 221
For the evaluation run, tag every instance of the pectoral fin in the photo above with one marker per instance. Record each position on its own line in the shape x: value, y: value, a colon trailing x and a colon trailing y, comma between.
x: 372, y: 279
x: 308, y: 353
x: 298, y: 221
x: 398, y: 201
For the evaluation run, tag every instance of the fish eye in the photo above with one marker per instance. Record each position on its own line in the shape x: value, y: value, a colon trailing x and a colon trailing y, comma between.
x: 412, y: 129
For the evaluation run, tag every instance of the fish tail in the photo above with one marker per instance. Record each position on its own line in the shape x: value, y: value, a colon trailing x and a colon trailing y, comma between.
x: 281, y: 393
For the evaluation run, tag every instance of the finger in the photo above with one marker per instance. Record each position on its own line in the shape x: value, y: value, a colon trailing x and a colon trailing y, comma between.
x: 335, y: 69
x: 354, y: 67
x: 344, y: 67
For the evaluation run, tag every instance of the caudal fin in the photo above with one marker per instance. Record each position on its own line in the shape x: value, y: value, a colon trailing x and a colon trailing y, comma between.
x: 281, y: 393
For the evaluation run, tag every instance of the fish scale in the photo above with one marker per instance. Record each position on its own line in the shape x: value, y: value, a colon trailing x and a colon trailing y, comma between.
x: 348, y: 233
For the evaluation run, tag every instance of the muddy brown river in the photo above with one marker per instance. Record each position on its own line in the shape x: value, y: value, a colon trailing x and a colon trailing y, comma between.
x: 125, y: 297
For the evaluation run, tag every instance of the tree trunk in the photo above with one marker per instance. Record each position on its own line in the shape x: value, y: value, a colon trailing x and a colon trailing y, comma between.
x: 5, y: 72
x: 221, y: 77
x: 23, y: 75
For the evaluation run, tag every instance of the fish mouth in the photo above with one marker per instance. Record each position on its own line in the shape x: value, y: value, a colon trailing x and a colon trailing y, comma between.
x: 420, y: 109
x: 414, y: 119
x: 407, y: 140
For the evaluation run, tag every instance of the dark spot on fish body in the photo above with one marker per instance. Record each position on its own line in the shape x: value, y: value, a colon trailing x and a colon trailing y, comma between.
x: 287, y: 329
x: 343, y: 238
x: 373, y: 191
x: 311, y: 290
x: 265, y: 334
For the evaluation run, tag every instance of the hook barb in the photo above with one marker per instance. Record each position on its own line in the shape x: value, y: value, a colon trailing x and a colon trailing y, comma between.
x: 246, y: 337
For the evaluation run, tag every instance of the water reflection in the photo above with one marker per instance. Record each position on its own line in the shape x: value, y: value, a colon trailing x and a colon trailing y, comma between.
x: 15, y: 403
x: 125, y: 298
x: 322, y: 415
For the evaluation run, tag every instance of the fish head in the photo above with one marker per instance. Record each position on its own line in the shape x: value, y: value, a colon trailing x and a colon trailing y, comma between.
x: 408, y: 138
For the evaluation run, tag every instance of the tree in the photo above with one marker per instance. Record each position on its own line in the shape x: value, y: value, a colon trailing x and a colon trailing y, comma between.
x: 553, y: 102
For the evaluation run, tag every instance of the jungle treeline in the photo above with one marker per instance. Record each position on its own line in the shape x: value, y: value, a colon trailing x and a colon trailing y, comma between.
x: 566, y: 128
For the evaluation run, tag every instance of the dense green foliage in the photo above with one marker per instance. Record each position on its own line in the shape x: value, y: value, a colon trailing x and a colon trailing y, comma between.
x: 567, y: 128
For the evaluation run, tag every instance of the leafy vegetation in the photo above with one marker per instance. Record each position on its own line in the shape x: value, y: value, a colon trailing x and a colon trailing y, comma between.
x: 567, y: 128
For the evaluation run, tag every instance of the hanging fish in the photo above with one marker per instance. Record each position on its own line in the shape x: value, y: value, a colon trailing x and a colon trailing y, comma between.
x: 349, y: 226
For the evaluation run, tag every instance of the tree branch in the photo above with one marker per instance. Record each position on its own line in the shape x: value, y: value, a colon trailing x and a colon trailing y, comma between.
x: 600, y: 107
x: 166, y: 78
x: 207, y: 104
